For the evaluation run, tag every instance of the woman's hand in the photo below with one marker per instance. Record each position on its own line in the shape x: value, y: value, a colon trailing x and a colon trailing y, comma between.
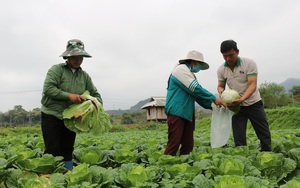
x: 219, y: 102
x: 76, y: 98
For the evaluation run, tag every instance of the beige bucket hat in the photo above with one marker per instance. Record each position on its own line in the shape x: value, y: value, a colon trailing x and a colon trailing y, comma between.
x: 196, y: 56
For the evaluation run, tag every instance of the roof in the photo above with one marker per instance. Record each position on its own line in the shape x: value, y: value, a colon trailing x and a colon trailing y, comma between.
x: 155, y: 101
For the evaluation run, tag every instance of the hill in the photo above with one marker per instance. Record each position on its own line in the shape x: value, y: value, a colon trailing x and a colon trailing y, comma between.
x: 133, y: 109
x: 290, y: 82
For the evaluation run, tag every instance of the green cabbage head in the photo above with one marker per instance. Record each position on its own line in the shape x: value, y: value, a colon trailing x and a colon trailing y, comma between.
x: 229, y: 95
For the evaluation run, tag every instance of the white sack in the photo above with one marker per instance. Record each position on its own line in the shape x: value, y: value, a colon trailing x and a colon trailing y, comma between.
x: 220, y: 126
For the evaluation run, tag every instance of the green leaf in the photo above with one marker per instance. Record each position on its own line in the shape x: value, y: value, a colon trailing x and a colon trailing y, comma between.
x: 88, y: 116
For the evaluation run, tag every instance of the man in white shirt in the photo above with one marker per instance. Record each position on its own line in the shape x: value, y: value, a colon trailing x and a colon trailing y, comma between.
x: 240, y: 74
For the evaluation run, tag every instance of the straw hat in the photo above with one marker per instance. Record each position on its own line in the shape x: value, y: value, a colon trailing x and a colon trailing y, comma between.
x: 196, y: 56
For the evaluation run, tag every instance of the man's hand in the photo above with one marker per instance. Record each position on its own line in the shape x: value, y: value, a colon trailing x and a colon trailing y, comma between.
x: 236, y: 102
x: 76, y: 98
x: 220, y: 91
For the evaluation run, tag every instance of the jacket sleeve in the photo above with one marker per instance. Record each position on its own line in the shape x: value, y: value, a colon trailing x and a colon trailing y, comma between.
x: 188, y: 82
x: 52, y: 82
x: 204, y: 98
x: 93, y: 90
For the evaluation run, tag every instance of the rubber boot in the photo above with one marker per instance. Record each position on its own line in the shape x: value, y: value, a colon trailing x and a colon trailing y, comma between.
x: 69, y: 165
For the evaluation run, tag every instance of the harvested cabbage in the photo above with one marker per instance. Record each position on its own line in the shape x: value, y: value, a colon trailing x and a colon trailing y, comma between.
x: 87, y: 116
x: 229, y: 95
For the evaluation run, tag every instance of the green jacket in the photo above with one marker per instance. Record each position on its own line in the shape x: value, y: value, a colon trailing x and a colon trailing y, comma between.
x: 59, y: 83
x: 183, y: 91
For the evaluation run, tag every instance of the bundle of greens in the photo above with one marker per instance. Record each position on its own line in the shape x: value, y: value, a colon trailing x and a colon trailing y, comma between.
x: 87, y: 117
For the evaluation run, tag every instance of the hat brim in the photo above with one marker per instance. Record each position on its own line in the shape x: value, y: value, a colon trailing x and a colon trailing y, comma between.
x: 68, y: 53
x: 204, y: 65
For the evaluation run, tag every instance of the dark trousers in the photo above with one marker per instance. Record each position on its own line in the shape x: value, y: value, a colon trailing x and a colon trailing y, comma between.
x: 58, y: 139
x: 180, y: 132
x: 257, y: 116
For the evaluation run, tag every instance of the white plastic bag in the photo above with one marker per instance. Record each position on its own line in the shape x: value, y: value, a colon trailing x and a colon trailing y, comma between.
x: 220, y: 126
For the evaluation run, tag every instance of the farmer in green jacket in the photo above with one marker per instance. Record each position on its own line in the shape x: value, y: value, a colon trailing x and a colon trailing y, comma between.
x: 183, y: 91
x: 62, y: 87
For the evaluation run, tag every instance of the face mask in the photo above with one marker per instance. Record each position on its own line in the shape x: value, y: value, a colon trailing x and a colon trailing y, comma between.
x: 196, y: 68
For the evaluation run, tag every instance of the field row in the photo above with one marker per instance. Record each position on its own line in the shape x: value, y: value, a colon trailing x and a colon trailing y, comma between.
x: 135, y: 159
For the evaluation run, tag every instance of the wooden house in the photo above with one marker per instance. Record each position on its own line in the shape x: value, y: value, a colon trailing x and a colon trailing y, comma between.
x: 156, y: 109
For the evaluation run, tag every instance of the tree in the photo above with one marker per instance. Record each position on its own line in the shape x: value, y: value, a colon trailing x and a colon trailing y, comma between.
x: 126, y: 119
x: 274, y: 95
x: 295, y: 93
x: 35, y: 115
x: 19, y: 115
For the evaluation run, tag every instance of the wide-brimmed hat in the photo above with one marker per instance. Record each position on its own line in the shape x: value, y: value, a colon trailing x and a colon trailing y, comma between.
x: 75, y: 47
x: 196, y: 56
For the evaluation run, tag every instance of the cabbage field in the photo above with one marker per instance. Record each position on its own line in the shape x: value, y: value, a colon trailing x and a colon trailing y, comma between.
x: 133, y: 157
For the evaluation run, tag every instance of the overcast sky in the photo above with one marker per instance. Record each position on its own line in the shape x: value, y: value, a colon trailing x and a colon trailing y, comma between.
x: 135, y: 44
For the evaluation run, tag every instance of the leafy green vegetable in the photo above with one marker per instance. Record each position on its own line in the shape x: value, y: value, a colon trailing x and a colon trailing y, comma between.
x: 132, y: 175
x: 114, y: 160
x: 26, y: 153
x: 206, y: 167
x: 79, y: 174
x: 240, y: 150
x: 137, y: 176
x: 249, y: 169
x: 229, y: 95
x: 58, y: 180
x: 255, y: 182
x: 296, y: 175
x: 14, y: 176
x: 5, y: 163
x: 230, y: 181
x: 177, y: 169
x: 201, y: 181
x: 35, y: 182
x: 265, y: 160
x: 291, y: 184
x: 168, y: 159
x: 295, y: 154
x: 103, y: 177
x: 289, y: 165
x: 46, y: 164
x: 274, y: 165
x: 231, y: 167
x: 125, y: 156
x: 88, y: 116
x: 89, y: 155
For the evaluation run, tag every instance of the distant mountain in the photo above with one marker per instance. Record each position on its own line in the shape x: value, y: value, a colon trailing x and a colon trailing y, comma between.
x: 133, y: 109
x: 290, y: 82
x: 137, y: 107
